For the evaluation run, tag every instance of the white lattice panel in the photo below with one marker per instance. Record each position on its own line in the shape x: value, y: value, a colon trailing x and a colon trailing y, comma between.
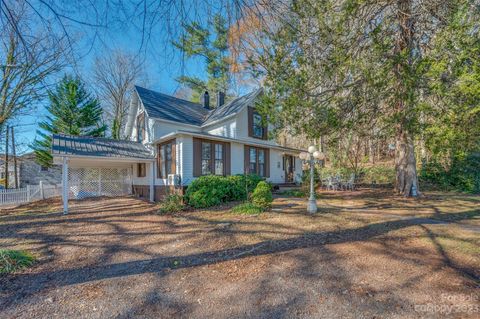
x: 94, y: 182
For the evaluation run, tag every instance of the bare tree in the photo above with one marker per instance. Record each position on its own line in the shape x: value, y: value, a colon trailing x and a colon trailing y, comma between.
x: 115, y: 76
x: 26, y: 64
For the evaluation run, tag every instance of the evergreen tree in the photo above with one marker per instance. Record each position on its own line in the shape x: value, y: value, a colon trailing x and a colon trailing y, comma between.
x: 197, y: 42
x: 72, y: 111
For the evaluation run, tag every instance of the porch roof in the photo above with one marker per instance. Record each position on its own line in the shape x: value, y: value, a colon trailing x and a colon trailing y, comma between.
x: 87, y: 146
x: 227, y: 139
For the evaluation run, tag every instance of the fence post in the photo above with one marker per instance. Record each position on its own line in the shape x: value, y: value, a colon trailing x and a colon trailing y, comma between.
x: 42, y: 195
x: 28, y: 193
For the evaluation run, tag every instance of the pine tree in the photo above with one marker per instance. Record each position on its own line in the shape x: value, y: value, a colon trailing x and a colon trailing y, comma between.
x: 73, y: 111
x: 197, y: 42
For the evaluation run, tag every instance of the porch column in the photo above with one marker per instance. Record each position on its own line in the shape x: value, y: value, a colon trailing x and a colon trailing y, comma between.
x: 152, y: 181
x: 65, y: 187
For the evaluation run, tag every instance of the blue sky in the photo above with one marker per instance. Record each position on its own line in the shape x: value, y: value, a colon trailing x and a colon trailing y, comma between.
x: 162, y: 63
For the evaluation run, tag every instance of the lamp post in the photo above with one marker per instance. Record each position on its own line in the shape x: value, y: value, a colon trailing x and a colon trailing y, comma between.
x: 313, y: 156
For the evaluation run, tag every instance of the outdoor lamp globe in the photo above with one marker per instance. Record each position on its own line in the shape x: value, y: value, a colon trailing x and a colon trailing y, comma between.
x: 317, y: 155
x: 303, y: 156
x: 312, y: 149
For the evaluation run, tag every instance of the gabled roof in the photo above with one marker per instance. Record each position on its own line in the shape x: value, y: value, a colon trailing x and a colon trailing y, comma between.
x: 68, y: 145
x: 232, y: 107
x: 170, y: 108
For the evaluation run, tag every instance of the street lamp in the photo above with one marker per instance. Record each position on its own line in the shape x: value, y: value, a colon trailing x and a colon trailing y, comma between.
x: 313, y: 156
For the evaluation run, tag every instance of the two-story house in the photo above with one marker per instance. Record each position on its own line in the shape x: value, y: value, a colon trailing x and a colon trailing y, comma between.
x: 173, y: 141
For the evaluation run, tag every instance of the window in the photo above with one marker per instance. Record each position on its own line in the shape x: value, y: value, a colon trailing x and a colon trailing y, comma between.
x: 257, y: 161
x: 219, y: 159
x: 261, y: 162
x: 253, y: 160
x: 206, y: 158
x: 210, y: 157
x: 141, y: 127
x: 166, y: 159
x: 141, y: 170
x: 257, y: 125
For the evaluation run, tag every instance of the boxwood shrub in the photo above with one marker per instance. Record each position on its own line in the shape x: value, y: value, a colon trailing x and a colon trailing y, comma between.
x: 212, y: 190
x: 262, y: 195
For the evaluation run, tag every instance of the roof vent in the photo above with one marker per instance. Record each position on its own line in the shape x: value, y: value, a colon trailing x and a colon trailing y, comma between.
x: 220, y: 98
x: 206, y: 100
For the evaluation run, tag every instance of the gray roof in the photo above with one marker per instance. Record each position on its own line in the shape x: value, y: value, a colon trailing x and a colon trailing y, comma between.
x: 65, y: 145
x: 232, y: 107
x: 170, y: 108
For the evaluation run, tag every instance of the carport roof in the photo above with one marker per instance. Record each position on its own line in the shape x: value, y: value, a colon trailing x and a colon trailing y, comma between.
x: 87, y: 146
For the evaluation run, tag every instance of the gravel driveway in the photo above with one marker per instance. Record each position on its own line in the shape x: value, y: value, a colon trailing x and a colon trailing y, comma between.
x: 116, y: 258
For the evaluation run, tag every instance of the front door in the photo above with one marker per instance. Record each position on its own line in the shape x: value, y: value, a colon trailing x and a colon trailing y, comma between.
x: 289, y: 168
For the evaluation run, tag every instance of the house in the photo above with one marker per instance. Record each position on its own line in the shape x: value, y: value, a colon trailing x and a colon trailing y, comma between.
x: 32, y: 173
x: 173, y: 141
x: 29, y: 172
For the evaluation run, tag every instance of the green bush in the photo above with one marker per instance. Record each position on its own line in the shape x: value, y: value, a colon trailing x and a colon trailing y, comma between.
x: 13, y: 260
x: 212, y: 190
x: 171, y: 204
x: 377, y: 174
x: 463, y: 174
x: 247, y: 208
x: 262, y: 195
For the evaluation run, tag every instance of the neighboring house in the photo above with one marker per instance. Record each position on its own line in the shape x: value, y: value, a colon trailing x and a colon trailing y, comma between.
x: 29, y: 172
x: 32, y: 173
x: 173, y: 141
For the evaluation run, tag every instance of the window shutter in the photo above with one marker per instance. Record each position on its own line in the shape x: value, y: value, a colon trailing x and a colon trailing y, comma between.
x: 265, y: 132
x: 293, y: 160
x: 250, y: 121
x: 159, y: 161
x: 174, y: 157
x: 246, y: 159
x: 227, y: 159
x: 197, y: 157
x: 267, y: 163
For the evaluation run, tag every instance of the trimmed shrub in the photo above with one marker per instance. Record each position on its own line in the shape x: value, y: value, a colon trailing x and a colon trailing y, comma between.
x: 171, y: 204
x: 262, y: 195
x: 212, y: 190
x: 13, y: 260
x: 247, y: 208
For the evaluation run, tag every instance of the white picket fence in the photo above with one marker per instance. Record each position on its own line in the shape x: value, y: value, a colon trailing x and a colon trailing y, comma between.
x: 29, y: 194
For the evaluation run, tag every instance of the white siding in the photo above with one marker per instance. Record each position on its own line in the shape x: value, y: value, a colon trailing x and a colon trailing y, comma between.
x: 226, y: 128
x: 141, y: 180
x: 237, y: 157
x: 162, y: 128
x: 277, y: 174
x: 187, y: 160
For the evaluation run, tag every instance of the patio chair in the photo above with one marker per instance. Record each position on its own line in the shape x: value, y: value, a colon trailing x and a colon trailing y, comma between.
x: 350, y: 184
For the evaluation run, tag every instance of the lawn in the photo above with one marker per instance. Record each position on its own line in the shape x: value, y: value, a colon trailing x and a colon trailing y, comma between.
x: 365, y: 254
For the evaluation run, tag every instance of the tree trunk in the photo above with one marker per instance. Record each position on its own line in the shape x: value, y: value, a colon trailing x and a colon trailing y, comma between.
x: 406, y: 182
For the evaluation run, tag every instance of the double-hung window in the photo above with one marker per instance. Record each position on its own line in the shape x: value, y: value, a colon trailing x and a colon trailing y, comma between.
x: 257, y: 161
x: 210, y: 157
x: 257, y: 125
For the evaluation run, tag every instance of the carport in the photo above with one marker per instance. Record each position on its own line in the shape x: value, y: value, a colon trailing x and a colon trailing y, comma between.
x: 93, y: 166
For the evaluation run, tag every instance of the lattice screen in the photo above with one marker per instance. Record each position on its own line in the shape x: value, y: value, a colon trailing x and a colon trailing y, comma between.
x: 94, y: 182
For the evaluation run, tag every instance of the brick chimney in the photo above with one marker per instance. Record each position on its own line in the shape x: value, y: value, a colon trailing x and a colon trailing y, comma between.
x: 206, y: 100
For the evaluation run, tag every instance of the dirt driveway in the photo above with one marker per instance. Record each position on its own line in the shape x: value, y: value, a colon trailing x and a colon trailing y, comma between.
x: 366, y: 255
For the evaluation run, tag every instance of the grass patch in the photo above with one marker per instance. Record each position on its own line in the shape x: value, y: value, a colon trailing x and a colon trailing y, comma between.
x: 247, y: 209
x: 14, y: 260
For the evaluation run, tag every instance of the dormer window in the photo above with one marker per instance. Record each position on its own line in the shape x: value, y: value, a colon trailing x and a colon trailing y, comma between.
x: 141, y: 127
x: 256, y: 127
